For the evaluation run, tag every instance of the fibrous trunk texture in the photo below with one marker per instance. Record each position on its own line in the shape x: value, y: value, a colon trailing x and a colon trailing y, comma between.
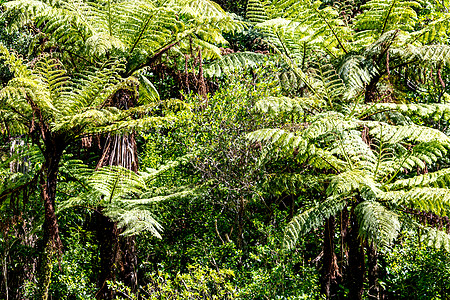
x: 330, y: 270
x: 117, y: 253
x: 54, y: 147
x: 372, y: 266
x: 356, y: 266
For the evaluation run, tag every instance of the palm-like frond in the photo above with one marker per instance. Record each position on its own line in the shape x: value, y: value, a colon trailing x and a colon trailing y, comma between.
x: 435, y: 238
x: 136, y: 30
x: 118, y: 190
x: 439, y: 178
x: 381, y: 16
x: 310, y: 219
x: 435, y: 200
x: 377, y: 223
x: 233, y: 62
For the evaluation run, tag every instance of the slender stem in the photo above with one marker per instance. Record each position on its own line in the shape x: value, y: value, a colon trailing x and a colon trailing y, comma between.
x: 387, y: 17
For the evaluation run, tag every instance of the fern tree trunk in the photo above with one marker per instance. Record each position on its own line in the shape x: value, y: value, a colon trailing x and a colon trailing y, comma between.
x: 118, y: 259
x: 330, y: 270
x: 373, y: 272
x: 54, y: 147
x: 356, y: 265
x: 371, y: 93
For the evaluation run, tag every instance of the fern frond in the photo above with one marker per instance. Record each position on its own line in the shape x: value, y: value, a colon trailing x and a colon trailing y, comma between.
x: 114, y: 183
x: 118, y: 190
x: 349, y: 182
x: 413, y: 133
x: 119, y: 125
x: 75, y: 168
x: 288, y: 183
x: 377, y: 223
x: 435, y: 238
x: 281, y: 138
x: 277, y: 105
x: 328, y: 123
x: 434, y: 32
x: 152, y: 174
x: 138, y: 31
x: 357, y: 72
x: 310, y: 219
x: 324, y: 159
x: 233, y: 62
x: 147, y: 91
x: 134, y: 221
x: 434, y: 56
x: 436, y: 200
x: 257, y: 11
x: 187, y: 193
x: 439, y: 178
x: 437, y: 111
x: 423, y: 154
x: 329, y: 84
x: 350, y: 146
x: 381, y: 16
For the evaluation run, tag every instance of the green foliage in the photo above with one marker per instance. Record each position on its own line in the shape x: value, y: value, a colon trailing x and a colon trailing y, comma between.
x: 198, y: 283
x: 411, y: 270
x: 138, y: 31
x: 380, y: 16
x: 119, y: 191
x: 345, y: 116
x: 234, y: 61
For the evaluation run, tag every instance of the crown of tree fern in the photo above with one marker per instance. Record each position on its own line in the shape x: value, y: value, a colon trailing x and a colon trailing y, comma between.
x: 367, y: 158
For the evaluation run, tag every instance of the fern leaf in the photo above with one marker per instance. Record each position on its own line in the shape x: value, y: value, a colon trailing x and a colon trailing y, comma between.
x: 381, y: 16
x: 356, y: 72
x: 349, y: 182
x: 435, y: 238
x: 256, y: 11
x: 281, y: 138
x: 413, y: 133
x: 134, y: 221
x: 233, y: 62
x: 276, y: 105
x: 349, y: 145
x: 310, y: 219
x: 377, y: 223
x: 439, y: 178
x: 435, y: 200
x: 292, y: 184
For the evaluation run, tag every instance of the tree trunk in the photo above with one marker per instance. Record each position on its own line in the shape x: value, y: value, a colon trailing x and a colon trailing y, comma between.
x: 370, y: 94
x: 45, y: 271
x: 372, y: 265
x: 107, y: 237
x: 356, y: 267
x: 54, y: 147
x: 330, y: 270
x: 118, y: 259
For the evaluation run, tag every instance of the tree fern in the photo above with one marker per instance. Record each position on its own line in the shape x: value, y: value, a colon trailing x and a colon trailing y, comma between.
x: 139, y: 31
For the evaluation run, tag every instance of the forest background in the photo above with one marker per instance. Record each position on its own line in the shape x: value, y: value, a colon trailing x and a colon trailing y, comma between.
x: 256, y: 149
